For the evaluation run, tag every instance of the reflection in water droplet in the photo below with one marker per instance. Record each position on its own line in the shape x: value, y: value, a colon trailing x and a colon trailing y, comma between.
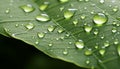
x: 41, y: 35
x: 43, y: 17
x: 116, y: 41
x: 118, y: 49
x: 63, y: 1
x: 69, y: 13
x: 99, y: 19
x: 51, y: 28
x: 106, y: 44
x: 102, y: 52
x: 114, y: 29
x: 44, y: 6
x: 27, y: 8
x: 79, y: 44
x: 88, y: 28
x: 88, y: 52
x: 29, y: 26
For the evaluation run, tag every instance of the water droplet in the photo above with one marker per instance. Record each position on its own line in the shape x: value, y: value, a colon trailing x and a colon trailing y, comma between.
x: 83, y: 17
x: 86, y: 0
x: 102, y: 1
x: 63, y: 1
x: 96, y: 32
x: 87, y: 61
x: 102, y: 52
x: 16, y: 25
x: 29, y: 26
x: 50, y: 44
x: 115, y: 9
x: 118, y: 49
x: 102, y: 37
x: 44, y: 6
x: 51, y: 28
x: 114, y: 29
x: 7, y: 10
x: 106, y: 44
x: 65, y: 52
x: 69, y: 13
x: 36, y: 42
x: 96, y: 47
x: 100, y: 19
x: 116, y: 41
x: 61, y: 8
x: 79, y: 44
x: 43, y: 17
x: 88, y: 52
x: 62, y: 38
x: 60, y: 30
x: 75, y: 22
x: 88, y: 28
x: 41, y: 35
x: 27, y: 8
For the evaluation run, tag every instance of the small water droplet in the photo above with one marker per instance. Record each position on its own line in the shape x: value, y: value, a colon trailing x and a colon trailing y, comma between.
x: 96, y: 47
x: 102, y: 37
x: 87, y: 61
x: 36, y: 42
x: 43, y: 17
x: 102, y: 52
x: 102, y: 1
x: 41, y: 35
x: 86, y: 0
x: 88, y: 28
x: 69, y: 13
x: 51, y: 28
x: 114, y: 29
x: 96, y: 32
x: 88, y: 52
x: 27, y: 8
x: 106, y: 44
x: 44, y: 6
x: 60, y: 30
x: 7, y: 10
x: 63, y: 1
x: 115, y: 9
x: 16, y: 25
x: 75, y: 22
x: 79, y: 44
x: 62, y: 38
x: 61, y: 8
x: 116, y: 41
x: 83, y: 17
x: 50, y: 44
x: 99, y: 19
x: 29, y: 26
x: 65, y: 52
x: 118, y: 49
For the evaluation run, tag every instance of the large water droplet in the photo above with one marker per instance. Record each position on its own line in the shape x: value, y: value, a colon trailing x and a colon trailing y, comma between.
x: 41, y: 35
x: 27, y: 8
x: 69, y: 13
x: 102, y: 52
x: 88, y: 52
x: 88, y: 28
x: 79, y: 44
x: 118, y: 49
x: 43, y: 17
x: 99, y: 19
x: 51, y: 28
x: 63, y: 1
x: 29, y: 26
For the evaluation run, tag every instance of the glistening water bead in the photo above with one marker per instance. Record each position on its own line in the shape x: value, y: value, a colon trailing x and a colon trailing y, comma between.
x: 100, y: 18
x: 43, y: 18
x: 27, y: 8
x: 63, y: 1
x: 79, y: 44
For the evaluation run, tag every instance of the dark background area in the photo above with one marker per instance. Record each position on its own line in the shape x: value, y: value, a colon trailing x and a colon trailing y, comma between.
x: 15, y: 54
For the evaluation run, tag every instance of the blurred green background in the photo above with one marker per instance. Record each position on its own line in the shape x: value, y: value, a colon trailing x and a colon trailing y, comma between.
x: 15, y: 54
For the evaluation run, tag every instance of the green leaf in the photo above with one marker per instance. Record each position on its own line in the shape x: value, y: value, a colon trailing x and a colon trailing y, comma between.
x: 83, y: 32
